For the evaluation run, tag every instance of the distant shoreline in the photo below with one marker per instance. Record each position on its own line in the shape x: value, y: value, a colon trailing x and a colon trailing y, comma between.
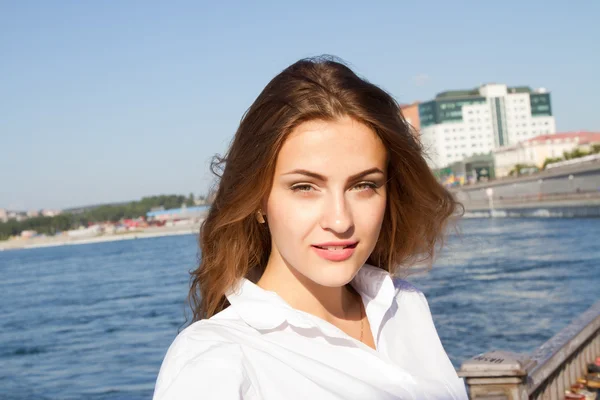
x: 53, y: 241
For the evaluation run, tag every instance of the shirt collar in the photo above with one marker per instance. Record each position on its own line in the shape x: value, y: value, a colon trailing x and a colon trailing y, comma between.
x: 264, y: 310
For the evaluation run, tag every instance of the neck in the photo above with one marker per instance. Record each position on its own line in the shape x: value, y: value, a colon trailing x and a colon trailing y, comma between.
x: 328, y: 303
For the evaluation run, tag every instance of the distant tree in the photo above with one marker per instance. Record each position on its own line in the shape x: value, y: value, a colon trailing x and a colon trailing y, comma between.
x: 518, y: 169
x: 551, y: 160
x: 190, y: 200
x: 9, y: 228
x: 577, y: 153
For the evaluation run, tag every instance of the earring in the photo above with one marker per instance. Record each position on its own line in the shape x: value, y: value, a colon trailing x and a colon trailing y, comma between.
x: 259, y: 217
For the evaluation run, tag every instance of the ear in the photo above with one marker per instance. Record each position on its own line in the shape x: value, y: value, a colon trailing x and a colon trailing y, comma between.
x: 264, y: 204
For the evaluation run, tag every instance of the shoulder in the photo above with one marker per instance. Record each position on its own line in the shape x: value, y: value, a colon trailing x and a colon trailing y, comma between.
x: 403, y: 285
x: 407, y: 289
x: 409, y: 295
x: 203, y: 360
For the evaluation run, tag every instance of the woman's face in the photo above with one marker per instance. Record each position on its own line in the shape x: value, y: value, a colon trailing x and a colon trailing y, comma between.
x: 328, y: 199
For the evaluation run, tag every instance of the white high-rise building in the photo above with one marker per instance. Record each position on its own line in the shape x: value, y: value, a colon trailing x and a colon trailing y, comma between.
x: 463, y: 123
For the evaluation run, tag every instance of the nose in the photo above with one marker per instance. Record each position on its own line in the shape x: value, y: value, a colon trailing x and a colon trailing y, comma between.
x: 337, y: 215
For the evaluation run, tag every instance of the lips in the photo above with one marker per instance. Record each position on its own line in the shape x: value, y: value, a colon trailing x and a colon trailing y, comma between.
x: 336, y: 247
x: 341, y: 243
x: 335, y: 251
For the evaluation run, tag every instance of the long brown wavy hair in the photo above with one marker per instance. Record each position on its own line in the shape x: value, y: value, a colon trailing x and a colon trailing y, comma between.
x: 235, y: 245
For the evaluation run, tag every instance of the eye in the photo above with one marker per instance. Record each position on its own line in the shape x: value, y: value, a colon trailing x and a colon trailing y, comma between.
x: 303, y: 188
x: 362, y: 186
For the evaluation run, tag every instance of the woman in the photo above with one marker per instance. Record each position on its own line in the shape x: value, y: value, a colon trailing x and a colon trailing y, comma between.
x: 323, y: 196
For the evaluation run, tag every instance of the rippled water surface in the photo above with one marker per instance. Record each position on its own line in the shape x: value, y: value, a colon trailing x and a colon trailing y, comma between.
x: 94, y: 321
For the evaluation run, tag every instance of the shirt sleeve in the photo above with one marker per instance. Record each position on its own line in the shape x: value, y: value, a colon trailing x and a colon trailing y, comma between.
x: 455, y: 384
x: 196, y: 370
x: 426, y: 346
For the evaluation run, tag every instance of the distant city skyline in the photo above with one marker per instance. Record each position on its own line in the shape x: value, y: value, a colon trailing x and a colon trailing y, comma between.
x: 111, y: 102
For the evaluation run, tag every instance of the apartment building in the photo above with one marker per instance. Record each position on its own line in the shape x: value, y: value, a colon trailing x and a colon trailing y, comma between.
x: 462, y: 123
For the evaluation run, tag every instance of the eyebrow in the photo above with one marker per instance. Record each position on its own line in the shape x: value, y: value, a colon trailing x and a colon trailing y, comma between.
x: 324, y: 179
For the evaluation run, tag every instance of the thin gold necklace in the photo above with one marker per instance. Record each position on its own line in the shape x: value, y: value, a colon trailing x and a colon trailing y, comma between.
x: 361, y: 317
x: 360, y: 307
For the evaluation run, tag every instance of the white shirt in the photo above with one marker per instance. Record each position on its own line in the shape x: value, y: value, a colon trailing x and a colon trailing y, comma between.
x: 262, y: 348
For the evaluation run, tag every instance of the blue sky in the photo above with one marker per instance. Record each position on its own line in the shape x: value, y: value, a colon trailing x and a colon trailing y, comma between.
x: 111, y: 101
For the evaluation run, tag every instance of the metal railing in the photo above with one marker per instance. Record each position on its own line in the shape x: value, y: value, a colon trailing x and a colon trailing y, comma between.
x: 544, y: 374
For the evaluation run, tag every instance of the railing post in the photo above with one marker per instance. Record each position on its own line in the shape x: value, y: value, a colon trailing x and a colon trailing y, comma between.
x: 497, y: 375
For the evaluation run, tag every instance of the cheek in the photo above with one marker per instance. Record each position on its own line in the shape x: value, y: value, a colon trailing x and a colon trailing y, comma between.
x: 370, y: 216
x: 289, y: 217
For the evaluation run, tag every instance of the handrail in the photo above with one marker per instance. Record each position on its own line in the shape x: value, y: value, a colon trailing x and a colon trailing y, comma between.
x: 561, y: 348
x: 546, y: 373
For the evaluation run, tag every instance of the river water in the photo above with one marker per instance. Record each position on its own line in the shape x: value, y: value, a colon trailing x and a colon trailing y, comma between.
x: 94, y: 321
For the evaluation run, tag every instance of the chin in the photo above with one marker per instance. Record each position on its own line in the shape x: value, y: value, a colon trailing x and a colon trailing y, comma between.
x: 335, y: 274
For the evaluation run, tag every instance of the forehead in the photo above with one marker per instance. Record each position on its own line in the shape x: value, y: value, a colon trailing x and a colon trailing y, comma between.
x: 340, y: 147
